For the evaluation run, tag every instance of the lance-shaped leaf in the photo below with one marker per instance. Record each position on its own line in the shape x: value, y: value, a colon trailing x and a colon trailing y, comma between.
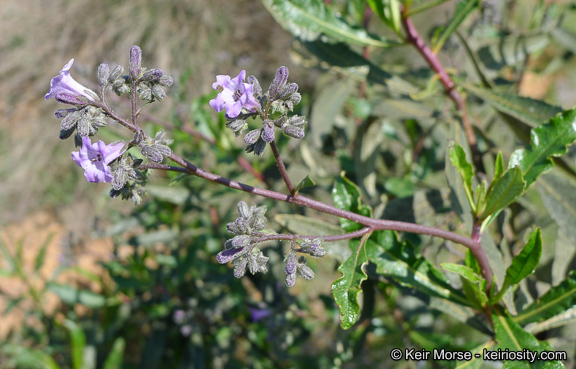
x: 526, y: 261
x: 510, y: 335
x: 305, y: 182
x: 473, y: 284
x: 347, y: 288
x: 77, y: 343
x: 548, y: 140
x: 308, y: 19
x: 346, y: 196
x: 458, y: 160
x: 397, y: 260
x: 559, y: 198
x: 530, y: 111
x: 503, y: 191
x: 116, y: 356
x: 552, y: 303
x: 463, y: 9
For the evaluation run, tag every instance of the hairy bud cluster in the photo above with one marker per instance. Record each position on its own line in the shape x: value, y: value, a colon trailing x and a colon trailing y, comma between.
x: 133, y: 191
x: 155, y: 149
x: 85, y: 120
x: 124, y: 170
x: 241, y: 249
x: 313, y: 248
x: 294, y: 265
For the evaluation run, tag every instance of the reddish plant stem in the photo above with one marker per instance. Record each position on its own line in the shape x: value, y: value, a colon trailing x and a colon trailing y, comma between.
x: 374, y: 224
x: 290, y: 237
x: 282, y: 168
x: 414, y: 38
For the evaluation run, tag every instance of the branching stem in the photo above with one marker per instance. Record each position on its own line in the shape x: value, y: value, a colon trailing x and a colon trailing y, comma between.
x: 282, y: 168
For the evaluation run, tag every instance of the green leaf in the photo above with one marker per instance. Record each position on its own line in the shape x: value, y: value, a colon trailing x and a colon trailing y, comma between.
x: 526, y: 261
x: 346, y: 196
x: 510, y: 335
x: 552, y: 303
x: 39, y: 261
x: 178, y: 179
x: 476, y: 362
x: 473, y: 284
x: 77, y: 343
x: 498, y: 166
x: 463, y: 9
x: 397, y: 259
x: 559, y: 198
x: 308, y: 19
x: 512, y: 50
x: 458, y: 160
x: 503, y: 191
x: 115, y: 357
x: 530, y: 111
x: 463, y: 271
x: 548, y: 140
x: 72, y: 295
x: 327, y: 105
x: 305, y: 182
x: 347, y: 288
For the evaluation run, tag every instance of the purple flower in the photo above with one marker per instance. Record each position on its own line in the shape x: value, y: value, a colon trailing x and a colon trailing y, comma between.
x: 95, y: 157
x: 64, y: 88
x: 234, y: 95
x: 259, y: 314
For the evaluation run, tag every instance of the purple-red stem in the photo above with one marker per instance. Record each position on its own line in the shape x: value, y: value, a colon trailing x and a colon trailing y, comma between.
x: 414, y: 38
x: 282, y: 168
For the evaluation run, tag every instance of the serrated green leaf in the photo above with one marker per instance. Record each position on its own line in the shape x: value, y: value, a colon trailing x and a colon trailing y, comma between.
x: 346, y: 196
x: 530, y: 111
x: 510, y: 335
x: 304, y: 183
x: 526, y: 261
x: 308, y: 19
x: 548, y: 140
x: 552, y: 303
x: 116, y: 355
x: 77, y: 343
x: 458, y: 160
x: 503, y: 191
x: 397, y: 259
x: 559, y: 197
x: 72, y: 295
x: 463, y: 9
x: 347, y: 288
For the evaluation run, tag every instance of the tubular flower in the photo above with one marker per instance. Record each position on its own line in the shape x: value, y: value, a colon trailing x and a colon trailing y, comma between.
x: 95, y: 157
x: 65, y: 89
x: 234, y: 95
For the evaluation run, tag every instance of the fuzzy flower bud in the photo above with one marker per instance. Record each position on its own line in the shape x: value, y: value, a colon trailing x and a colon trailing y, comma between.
x: 135, y: 62
x: 103, y: 74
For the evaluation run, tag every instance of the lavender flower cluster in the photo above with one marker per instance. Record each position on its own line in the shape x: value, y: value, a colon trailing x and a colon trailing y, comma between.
x: 110, y: 163
x: 243, y: 98
x: 240, y: 97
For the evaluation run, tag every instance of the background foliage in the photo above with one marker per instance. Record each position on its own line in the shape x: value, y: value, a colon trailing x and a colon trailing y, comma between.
x: 159, y: 299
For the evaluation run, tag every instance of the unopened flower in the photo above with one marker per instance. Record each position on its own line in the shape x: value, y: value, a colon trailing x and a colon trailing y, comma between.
x: 65, y: 89
x: 234, y: 95
x: 95, y: 158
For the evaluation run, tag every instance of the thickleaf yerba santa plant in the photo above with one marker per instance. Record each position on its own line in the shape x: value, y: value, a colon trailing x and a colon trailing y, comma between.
x: 263, y: 116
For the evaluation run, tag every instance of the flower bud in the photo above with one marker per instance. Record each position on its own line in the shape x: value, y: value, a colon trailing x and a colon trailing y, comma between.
x: 251, y: 137
x: 290, y: 280
x: 240, y: 267
x: 71, y: 98
x: 243, y: 210
x: 229, y: 254
x: 135, y: 62
x: 278, y: 83
x: 166, y: 81
x: 268, y: 131
x: 151, y: 75
x: 116, y: 73
x: 306, y: 272
x: 103, y: 74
